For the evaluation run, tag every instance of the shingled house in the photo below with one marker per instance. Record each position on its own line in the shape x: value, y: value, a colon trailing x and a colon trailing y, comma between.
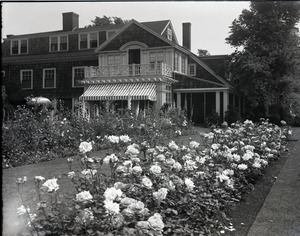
x: 136, y: 65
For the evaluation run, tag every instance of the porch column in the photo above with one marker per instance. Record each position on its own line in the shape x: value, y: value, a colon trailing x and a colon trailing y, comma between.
x: 218, y: 103
x: 178, y: 100
x: 225, y: 101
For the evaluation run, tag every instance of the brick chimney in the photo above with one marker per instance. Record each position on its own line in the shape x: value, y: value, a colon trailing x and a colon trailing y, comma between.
x: 186, y: 35
x: 70, y: 21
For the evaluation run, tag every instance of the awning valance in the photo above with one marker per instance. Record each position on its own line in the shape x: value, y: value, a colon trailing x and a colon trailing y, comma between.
x: 136, y: 91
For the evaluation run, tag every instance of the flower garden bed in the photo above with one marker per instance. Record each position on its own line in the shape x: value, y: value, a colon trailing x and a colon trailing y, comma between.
x: 143, y: 189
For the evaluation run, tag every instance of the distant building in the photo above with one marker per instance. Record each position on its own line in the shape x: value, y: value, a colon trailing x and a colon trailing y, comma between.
x: 136, y: 65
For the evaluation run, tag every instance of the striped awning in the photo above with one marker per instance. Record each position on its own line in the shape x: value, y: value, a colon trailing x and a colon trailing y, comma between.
x: 135, y: 91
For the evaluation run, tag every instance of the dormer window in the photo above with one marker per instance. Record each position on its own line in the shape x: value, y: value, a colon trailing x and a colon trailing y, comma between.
x: 19, y: 46
x: 58, y: 43
x: 88, y: 40
x: 169, y: 34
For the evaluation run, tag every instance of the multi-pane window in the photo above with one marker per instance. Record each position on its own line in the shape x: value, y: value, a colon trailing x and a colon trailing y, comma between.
x: 183, y: 64
x: 113, y: 60
x: 88, y: 40
x: 78, y: 75
x: 176, y: 63
x: 156, y: 57
x: 93, y: 40
x: 49, y: 78
x: 26, y: 77
x: 19, y: 46
x: 169, y: 34
x: 168, y: 94
x: 58, y: 43
x: 192, y: 69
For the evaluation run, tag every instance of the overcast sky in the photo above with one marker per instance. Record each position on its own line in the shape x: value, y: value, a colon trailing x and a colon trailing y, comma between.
x: 210, y: 20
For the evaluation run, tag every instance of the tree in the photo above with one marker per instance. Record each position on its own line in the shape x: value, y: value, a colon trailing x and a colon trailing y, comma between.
x: 265, y: 64
x: 203, y: 52
x: 98, y: 21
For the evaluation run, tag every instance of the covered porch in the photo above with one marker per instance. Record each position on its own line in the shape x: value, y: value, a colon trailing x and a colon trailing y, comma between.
x: 200, y: 103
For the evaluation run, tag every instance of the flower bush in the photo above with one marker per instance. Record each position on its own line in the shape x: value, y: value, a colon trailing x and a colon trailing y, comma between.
x: 158, y: 190
x: 32, y: 137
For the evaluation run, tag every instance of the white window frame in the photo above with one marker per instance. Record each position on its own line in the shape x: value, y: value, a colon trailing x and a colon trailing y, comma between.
x: 58, y: 43
x: 44, y: 72
x: 19, y: 46
x: 116, y: 59
x: 21, y: 78
x: 88, y: 40
x: 169, y: 34
x: 73, y: 76
x: 194, y: 70
x: 168, y: 94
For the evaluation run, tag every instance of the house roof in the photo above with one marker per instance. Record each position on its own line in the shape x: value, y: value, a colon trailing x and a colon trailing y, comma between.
x: 157, y: 26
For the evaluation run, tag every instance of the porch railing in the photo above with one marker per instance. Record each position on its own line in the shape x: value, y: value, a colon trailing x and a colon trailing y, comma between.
x: 128, y: 70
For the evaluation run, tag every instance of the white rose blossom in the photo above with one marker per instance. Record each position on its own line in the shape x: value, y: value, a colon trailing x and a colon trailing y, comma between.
x: 22, y: 210
x: 84, y: 196
x: 242, y: 166
x: 155, y: 169
x: 173, y: 146
x: 147, y: 182
x: 51, y: 185
x: 85, y: 147
x: 111, y: 207
x: 161, y: 194
x: 156, y: 222
x: 112, y: 193
x: 189, y: 184
x: 125, y: 138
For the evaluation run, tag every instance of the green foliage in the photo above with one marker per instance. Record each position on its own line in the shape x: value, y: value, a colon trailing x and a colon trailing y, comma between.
x: 105, y: 20
x: 265, y: 65
x: 34, y: 136
x: 203, y: 52
x: 188, y: 190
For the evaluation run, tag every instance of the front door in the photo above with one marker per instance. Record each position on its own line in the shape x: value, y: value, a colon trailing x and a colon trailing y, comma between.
x: 134, y: 60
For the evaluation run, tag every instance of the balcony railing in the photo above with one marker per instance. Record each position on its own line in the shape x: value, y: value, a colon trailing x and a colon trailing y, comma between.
x: 131, y: 70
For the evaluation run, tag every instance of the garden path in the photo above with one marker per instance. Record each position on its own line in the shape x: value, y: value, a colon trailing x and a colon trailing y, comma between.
x: 280, y: 213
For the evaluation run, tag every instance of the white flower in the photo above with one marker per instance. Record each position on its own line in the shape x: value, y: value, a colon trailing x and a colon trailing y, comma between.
x: 88, y: 172
x: 215, y: 146
x: 132, y: 150
x: 194, y: 144
x: 111, y: 207
x: 160, y: 157
x: 177, y: 166
x: 189, y: 183
x: 39, y: 178
x: 137, y: 170
x: 125, y: 138
x: 147, y: 182
x: 85, y: 147
x: 127, y: 163
x: 112, y: 158
x: 113, y: 139
x: 22, y: 210
x: 112, y: 193
x: 236, y: 157
x: 170, y: 161
x: 71, y: 174
x: 156, y: 222
x: 256, y: 165
x: 248, y: 155
x: 127, y: 201
x: 190, y: 165
x: 178, y: 132
x: 155, y: 169
x: 84, y: 196
x: 161, y: 194
x: 242, y: 166
x: 172, y: 145
x: 51, y: 184
x: 283, y: 122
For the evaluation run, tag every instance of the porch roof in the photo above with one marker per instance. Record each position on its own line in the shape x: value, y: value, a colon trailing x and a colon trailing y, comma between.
x: 135, y: 91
